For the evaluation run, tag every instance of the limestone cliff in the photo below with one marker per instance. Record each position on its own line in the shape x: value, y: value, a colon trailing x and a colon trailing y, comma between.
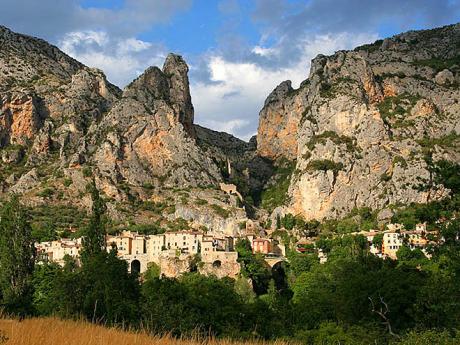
x: 361, y: 126
x: 361, y: 130
x: 63, y: 124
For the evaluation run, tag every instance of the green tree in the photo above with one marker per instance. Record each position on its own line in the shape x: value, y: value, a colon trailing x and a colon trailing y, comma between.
x: 437, y: 304
x: 192, y: 303
x: 44, y: 232
x: 253, y: 266
x: 44, y: 282
x: 300, y: 263
x: 66, y: 290
x: 94, y: 233
x: 111, y: 294
x: 17, y: 255
x: 153, y: 272
x: 377, y: 241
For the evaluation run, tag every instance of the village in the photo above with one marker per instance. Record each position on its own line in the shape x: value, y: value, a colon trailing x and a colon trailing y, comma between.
x: 212, y: 254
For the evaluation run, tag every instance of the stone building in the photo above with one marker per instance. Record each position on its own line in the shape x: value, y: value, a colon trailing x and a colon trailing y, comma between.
x: 55, y: 251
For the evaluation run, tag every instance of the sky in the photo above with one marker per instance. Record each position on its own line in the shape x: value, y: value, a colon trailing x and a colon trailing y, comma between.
x: 238, y: 51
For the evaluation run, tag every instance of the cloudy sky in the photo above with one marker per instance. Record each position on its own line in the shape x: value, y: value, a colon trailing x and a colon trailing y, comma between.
x: 237, y: 50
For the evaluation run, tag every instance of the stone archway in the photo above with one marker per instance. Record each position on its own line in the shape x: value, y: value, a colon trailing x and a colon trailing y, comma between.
x: 135, y: 266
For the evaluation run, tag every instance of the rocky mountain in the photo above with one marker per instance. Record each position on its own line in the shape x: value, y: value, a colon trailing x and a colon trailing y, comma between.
x: 63, y: 124
x: 366, y: 127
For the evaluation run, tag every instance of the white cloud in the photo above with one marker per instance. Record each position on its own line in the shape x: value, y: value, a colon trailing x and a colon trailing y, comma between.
x: 238, y: 89
x: 122, y: 59
x: 228, y: 126
x: 261, y: 51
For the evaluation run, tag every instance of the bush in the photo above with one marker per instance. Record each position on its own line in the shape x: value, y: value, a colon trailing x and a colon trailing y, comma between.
x: 438, y: 64
x: 220, y: 211
x: 87, y: 171
x: 396, y: 107
x: 67, y: 182
x: 201, y: 202
x: 46, y: 193
x: 277, y: 193
x: 385, y: 177
x: 401, y: 161
x: 324, y: 165
x: 450, y: 140
x: 350, y: 143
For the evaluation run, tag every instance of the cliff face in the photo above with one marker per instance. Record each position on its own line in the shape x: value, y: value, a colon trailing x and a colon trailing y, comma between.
x: 63, y: 124
x: 53, y: 105
x: 366, y: 120
x: 279, y: 122
x: 148, y: 135
x: 362, y: 130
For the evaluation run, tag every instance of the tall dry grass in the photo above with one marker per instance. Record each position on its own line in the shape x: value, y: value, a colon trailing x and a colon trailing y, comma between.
x: 53, y: 331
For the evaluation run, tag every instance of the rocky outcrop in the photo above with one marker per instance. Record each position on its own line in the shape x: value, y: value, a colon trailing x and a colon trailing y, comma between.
x: 63, y: 124
x: 365, y: 121
x: 20, y: 120
x: 278, y: 122
x: 148, y: 136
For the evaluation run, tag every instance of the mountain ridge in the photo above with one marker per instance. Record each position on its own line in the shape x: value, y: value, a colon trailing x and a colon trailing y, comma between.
x: 354, y: 134
x: 363, y: 120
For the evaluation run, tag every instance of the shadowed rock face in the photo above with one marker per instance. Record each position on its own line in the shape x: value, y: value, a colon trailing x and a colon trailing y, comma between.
x: 359, y: 127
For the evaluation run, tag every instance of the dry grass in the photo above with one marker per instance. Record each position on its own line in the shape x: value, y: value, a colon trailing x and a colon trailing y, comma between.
x: 52, y: 331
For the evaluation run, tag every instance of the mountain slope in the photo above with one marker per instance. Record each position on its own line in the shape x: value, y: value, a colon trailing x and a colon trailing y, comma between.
x: 367, y: 125
x: 63, y: 124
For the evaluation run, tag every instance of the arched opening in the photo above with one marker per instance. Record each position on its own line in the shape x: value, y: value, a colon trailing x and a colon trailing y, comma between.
x: 136, y: 266
x: 279, y: 276
x: 217, y: 264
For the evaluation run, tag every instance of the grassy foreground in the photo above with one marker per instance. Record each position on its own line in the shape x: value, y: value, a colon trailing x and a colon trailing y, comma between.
x: 53, y: 331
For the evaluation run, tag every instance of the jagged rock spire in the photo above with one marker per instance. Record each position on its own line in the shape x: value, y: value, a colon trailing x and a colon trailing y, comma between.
x: 170, y: 84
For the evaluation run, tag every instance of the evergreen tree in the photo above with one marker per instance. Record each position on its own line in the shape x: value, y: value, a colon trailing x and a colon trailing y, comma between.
x: 16, y: 258
x: 109, y: 293
x: 94, y: 234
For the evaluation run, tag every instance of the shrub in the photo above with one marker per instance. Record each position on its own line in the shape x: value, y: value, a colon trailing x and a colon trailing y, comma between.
x: 201, y: 202
x: 324, y: 165
x: 220, y: 211
x: 385, y: 177
x: 438, y: 64
x: 277, y: 193
x: 87, y: 171
x: 350, y: 143
x: 450, y: 140
x: 148, y: 186
x: 370, y: 47
x: 46, y: 193
x: 67, y: 182
x: 401, y: 161
x: 397, y: 107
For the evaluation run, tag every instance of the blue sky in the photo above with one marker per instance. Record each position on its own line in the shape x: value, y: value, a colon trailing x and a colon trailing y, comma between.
x: 237, y: 50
